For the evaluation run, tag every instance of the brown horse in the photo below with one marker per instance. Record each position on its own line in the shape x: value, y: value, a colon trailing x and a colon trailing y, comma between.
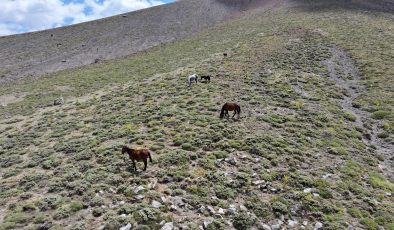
x: 230, y: 107
x: 139, y: 154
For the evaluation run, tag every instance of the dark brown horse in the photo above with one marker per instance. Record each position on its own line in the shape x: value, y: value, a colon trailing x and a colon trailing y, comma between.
x: 207, y: 78
x: 139, y: 154
x: 230, y: 107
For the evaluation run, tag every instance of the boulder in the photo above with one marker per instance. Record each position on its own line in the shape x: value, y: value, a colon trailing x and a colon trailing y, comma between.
x: 58, y: 101
x: 127, y: 227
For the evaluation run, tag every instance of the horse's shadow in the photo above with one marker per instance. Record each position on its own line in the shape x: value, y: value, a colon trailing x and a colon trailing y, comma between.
x: 130, y: 169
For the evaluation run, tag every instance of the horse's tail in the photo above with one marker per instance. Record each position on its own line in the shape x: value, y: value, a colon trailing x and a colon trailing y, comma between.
x: 150, y: 158
x: 222, y: 113
x: 239, y: 109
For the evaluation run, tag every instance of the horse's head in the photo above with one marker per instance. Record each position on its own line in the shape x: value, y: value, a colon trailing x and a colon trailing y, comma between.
x: 124, y: 149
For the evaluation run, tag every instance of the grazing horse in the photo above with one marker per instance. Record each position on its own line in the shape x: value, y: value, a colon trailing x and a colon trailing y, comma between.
x: 230, y: 107
x: 192, y: 78
x: 139, y: 154
x: 206, y: 78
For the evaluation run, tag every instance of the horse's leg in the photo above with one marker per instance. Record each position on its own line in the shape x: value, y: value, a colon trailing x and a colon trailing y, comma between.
x: 235, y: 112
x: 145, y: 163
x: 135, y: 167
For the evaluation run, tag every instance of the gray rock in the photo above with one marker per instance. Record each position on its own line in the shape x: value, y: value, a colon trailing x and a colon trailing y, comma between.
x: 58, y: 101
x: 307, y: 190
x: 152, y: 184
x: 232, y: 209
x: 206, y: 223
x: 265, y: 227
x: 231, y: 160
x: 139, y: 197
x: 127, y: 227
x: 318, y: 225
x: 202, y: 209
x: 292, y: 223
x: 275, y: 227
x: 258, y: 182
x: 326, y: 175
x: 221, y: 211
x: 211, y: 210
x: 44, y: 226
x: 156, y: 204
x: 168, y: 226
x: 138, y: 189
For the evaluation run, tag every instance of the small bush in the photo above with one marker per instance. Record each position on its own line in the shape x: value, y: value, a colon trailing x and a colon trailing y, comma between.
x: 350, y: 116
x: 380, y: 114
x: 369, y: 224
x: 243, y: 221
x: 76, y: 206
x: 378, y: 181
x: 279, y: 208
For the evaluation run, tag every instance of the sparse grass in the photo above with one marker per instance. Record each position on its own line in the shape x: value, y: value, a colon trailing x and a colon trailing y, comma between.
x: 292, y: 135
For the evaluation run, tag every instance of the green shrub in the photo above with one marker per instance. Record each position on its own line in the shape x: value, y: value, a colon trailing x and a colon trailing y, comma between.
x: 7, y: 225
x: 220, y: 154
x: 380, y: 114
x: 350, y: 116
x: 378, y: 181
x: 76, y: 206
x: 355, y: 212
x: 383, y: 135
x: 389, y: 226
x: 223, y: 192
x: 243, y: 221
x: 279, y: 208
x: 369, y: 224
x: 216, y: 225
x: 17, y: 217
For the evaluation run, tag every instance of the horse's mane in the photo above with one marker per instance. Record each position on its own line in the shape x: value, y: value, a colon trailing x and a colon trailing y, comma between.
x: 132, y: 147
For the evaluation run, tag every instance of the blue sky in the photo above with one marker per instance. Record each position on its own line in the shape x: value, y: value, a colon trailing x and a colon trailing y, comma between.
x: 20, y: 16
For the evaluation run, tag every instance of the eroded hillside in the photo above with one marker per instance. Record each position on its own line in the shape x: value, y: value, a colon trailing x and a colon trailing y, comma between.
x: 35, y: 54
x: 312, y: 149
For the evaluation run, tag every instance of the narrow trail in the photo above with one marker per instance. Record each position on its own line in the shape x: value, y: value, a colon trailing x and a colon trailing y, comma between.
x: 340, y: 64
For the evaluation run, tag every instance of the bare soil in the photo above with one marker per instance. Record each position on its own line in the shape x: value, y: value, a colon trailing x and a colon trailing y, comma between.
x: 349, y: 82
x: 35, y: 54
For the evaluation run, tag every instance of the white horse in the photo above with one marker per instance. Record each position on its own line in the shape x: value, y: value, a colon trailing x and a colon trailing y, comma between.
x: 192, y: 78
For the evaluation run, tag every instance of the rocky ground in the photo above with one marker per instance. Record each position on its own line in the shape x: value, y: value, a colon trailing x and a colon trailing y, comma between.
x: 312, y: 149
x: 35, y: 54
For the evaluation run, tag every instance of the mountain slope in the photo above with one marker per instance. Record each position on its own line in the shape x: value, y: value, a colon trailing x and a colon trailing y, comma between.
x: 313, y: 146
x: 35, y: 54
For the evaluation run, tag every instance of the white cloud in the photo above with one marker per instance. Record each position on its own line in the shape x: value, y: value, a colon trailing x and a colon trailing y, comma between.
x: 19, y: 16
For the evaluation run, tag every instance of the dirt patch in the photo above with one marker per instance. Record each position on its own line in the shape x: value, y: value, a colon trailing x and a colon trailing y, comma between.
x: 343, y: 71
x: 11, y: 98
x: 63, y: 88
x: 34, y: 54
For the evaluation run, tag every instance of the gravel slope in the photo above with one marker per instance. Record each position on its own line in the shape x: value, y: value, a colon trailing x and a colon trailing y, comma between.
x: 33, y: 54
